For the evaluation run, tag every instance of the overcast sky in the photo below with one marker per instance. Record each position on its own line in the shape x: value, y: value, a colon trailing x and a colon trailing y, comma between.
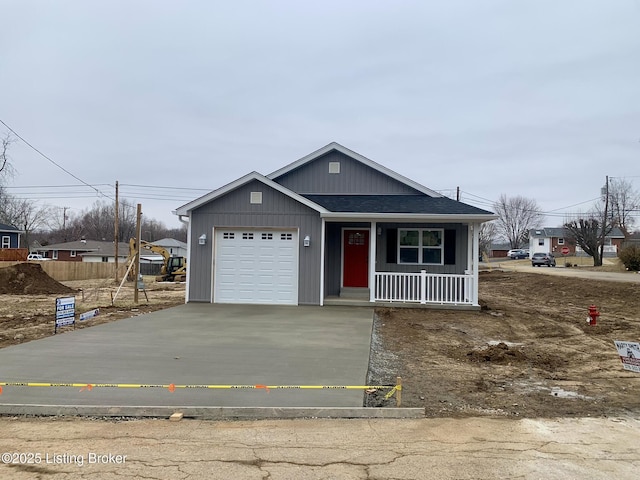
x: 534, y: 98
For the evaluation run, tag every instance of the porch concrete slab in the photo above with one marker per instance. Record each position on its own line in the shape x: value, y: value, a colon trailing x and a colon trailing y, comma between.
x: 200, y: 344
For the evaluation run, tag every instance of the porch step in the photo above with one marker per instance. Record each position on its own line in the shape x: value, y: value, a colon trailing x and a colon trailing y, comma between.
x: 354, y: 292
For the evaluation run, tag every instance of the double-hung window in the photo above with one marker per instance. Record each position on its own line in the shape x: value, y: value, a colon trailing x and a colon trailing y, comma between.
x: 422, y: 246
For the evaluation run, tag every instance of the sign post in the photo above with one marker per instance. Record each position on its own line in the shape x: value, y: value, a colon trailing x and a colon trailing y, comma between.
x: 65, y: 312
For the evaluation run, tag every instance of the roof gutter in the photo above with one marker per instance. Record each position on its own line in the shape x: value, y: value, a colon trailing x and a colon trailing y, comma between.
x: 409, y: 217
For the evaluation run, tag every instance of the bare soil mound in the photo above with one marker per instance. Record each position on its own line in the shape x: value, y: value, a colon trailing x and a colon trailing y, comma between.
x: 28, y: 279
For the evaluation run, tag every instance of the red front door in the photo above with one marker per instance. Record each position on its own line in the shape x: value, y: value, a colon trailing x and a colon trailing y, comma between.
x: 355, y: 251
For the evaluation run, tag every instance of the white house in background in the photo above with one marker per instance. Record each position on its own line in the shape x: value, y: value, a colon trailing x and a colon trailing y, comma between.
x: 176, y: 248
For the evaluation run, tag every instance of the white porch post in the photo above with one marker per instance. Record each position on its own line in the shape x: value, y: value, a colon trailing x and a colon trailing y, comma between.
x: 322, y: 246
x: 373, y: 238
x: 476, y: 261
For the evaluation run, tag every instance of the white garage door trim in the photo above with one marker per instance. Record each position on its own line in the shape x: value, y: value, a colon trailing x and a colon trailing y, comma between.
x: 256, y: 266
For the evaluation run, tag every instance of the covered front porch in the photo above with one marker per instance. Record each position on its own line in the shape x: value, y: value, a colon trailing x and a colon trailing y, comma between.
x: 400, y: 262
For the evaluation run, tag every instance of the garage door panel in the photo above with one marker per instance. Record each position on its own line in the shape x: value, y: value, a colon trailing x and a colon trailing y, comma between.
x: 256, y: 267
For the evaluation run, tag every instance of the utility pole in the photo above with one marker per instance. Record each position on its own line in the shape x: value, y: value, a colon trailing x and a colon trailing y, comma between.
x: 604, y: 220
x: 64, y: 222
x: 136, y: 267
x: 115, y: 231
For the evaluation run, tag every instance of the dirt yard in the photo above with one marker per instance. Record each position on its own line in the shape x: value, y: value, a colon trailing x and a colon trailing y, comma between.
x: 28, y: 301
x: 528, y: 353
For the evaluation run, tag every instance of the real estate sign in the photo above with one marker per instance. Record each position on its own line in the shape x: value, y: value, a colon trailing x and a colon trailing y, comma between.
x: 65, y: 312
x: 629, y: 354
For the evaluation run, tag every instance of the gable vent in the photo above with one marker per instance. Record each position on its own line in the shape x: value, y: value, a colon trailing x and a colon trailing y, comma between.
x: 334, y: 167
x: 256, y: 197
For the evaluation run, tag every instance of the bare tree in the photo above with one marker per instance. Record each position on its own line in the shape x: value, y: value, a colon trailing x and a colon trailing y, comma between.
x: 516, y: 216
x: 6, y: 169
x: 586, y: 233
x: 623, y: 202
x: 25, y: 214
x: 487, y: 234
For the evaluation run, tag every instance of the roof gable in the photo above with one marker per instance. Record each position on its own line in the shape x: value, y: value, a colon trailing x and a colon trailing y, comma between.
x: 253, y: 176
x: 9, y: 229
x: 309, y: 179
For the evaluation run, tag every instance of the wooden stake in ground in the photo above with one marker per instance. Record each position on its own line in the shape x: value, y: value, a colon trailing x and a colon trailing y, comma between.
x: 136, y: 267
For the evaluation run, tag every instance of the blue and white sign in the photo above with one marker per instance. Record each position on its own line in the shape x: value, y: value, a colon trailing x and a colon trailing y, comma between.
x: 65, y: 311
x: 89, y: 314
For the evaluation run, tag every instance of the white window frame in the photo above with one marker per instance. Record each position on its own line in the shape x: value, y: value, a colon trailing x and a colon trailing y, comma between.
x: 6, y: 241
x: 72, y: 253
x: 54, y: 255
x: 420, y: 246
x: 560, y: 241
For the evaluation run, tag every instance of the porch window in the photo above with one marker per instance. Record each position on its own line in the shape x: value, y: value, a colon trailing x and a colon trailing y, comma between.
x: 421, y: 246
x: 6, y: 241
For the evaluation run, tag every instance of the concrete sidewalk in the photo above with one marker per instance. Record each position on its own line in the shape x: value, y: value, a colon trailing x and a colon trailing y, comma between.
x: 200, y: 344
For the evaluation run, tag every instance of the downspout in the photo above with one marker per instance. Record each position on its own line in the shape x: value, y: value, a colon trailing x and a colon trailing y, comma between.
x: 322, y: 259
x: 187, y: 222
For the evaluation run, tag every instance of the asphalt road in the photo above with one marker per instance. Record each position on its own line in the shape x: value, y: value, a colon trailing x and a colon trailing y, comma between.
x: 470, y: 448
x: 525, y: 266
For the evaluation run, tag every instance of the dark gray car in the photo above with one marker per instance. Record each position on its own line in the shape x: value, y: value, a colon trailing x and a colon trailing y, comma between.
x: 541, y: 258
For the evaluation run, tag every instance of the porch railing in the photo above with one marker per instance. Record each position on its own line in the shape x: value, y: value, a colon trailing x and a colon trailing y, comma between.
x: 423, y: 288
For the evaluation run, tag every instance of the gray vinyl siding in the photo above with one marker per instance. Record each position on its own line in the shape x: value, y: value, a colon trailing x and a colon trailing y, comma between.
x: 235, y: 210
x: 461, y: 243
x: 354, y: 178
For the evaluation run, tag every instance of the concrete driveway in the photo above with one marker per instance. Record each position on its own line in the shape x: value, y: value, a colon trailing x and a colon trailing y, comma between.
x: 200, y: 344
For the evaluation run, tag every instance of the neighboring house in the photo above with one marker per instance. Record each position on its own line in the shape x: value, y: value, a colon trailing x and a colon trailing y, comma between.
x: 332, y: 223
x: 10, y: 244
x: 176, y: 248
x: 553, y: 239
x: 499, y: 250
x: 9, y: 236
x: 84, y: 251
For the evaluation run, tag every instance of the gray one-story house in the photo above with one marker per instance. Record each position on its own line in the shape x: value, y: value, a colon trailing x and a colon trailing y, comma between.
x: 330, y: 224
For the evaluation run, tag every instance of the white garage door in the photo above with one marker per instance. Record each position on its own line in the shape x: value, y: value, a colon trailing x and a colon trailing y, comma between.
x: 256, y: 266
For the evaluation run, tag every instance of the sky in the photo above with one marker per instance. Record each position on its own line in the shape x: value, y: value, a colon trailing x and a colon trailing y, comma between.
x: 175, y: 99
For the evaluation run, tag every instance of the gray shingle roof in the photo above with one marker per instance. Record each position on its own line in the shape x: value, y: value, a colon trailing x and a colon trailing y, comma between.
x: 395, y: 204
x: 561, y: 232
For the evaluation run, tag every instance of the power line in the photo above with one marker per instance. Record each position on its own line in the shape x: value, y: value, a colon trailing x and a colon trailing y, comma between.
x: 52, y: 161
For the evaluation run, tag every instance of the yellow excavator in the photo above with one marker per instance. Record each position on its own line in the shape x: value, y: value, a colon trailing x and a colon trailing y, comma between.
x: 174, y: 269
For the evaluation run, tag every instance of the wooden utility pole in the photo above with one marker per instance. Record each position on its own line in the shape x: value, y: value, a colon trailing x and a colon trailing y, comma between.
x: 604, y: 220
x: 115, y: 229
x: 136, y: 258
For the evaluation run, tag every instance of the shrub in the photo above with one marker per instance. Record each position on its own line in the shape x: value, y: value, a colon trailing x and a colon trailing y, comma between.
x: 630, y: 257
x: 568, y: 264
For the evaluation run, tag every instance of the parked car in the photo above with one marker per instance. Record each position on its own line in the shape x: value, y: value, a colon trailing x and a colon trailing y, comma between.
x: 517, y: 253
x: 35, y: 257
x: 541, y: 258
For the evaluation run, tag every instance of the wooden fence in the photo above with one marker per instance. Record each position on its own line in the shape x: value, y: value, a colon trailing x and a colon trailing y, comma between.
x: 13, y: 254
x: 67, y: 271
